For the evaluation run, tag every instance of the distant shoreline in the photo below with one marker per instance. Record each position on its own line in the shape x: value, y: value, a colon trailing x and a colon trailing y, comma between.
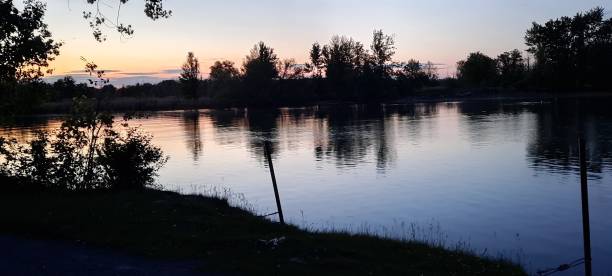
x: 123, y: 104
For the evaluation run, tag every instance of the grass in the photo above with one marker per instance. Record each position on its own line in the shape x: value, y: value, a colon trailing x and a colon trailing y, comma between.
x: 227, y: 239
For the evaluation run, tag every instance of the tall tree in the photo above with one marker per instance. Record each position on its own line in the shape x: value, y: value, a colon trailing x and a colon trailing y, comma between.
x: 26, y: 46
x: 572, y: 52
x: 511, y: 67
x: 477, y: 70
x: 190, y: 76
x: 343, y: 58
x: 223, y: 71
x: 259, y: 70
x: 260, y: 65
x: 383, y: 49
x: 316, y: 64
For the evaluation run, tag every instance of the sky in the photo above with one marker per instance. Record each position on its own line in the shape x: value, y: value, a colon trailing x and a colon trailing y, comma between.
x: 440, y: 31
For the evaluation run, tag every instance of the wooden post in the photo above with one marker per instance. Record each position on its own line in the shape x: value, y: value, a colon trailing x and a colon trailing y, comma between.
x: 268, y: 153
x: 586, y: 232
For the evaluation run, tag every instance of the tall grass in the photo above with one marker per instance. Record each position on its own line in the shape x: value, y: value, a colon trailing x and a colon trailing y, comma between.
x: 430, y: 233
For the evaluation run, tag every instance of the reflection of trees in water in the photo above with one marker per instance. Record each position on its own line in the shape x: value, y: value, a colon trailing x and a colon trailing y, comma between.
x: 229, y: 125
x: 348, y: 134
x: 351, y: 135
x: 22, y: 128
x: 552, y: 127
x: 554, y: 145
x: 488, y: 123
x: 191, y: 127
x: 293, y: 123
x: 262, y: 126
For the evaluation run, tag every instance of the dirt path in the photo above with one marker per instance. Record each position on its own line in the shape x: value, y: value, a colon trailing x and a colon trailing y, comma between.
x: 20, y: 256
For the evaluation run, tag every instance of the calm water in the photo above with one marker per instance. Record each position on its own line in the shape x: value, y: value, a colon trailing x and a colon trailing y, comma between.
x: 499, y: 176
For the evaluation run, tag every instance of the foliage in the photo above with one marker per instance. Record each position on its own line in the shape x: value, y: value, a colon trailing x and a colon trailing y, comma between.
x: 223, y: 71
x: 153, y: 9
x: 316, y: 64
x: 289, y: 70
x: 260, y: 65
x: 412, y: 75
x: 345, y: 60
x: 574, y: 51
x: 383, y: 49
x: 85, y: 153
x: 478, y: 70
x: 22, y: 97
x: 353, y: 72
x: 190, y: 76
x: 511, y: 67
x: 259, y: 70
x: 130, y: 161
x: 26, y: 46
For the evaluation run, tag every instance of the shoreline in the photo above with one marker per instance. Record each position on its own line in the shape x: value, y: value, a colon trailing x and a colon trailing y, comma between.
x: 169, y: 226
x: 152, y: 104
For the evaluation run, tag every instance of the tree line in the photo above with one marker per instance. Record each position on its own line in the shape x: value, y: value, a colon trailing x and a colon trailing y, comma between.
x: 343, y: 69
x: 567, y: 53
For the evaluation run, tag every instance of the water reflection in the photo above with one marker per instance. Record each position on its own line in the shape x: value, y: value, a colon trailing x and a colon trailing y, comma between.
x: 191, y: 127
x: 554, y: 147
x: 351, y: 135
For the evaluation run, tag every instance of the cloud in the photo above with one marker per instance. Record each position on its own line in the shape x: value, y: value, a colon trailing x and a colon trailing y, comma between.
x: 139, y: 73
x: 85, y: 72
x: 123, y: 81
x: 170, y: 71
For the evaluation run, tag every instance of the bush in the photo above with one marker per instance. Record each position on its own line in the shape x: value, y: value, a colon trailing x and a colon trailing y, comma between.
x: 130, y: 161
x: 85, y: 153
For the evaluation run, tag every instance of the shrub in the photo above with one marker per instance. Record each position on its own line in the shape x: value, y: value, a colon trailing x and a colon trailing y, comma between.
x: 130, y: 161
x: 85, y: 153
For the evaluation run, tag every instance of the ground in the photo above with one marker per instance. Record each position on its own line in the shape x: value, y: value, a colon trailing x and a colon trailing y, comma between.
x: 20, y: 256
x: 167, y: 228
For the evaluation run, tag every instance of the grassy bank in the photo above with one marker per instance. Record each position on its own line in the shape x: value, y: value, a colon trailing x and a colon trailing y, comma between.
x: 227, y: 239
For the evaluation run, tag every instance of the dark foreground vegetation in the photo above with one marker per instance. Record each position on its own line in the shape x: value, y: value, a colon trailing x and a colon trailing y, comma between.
x: 167, y: 225
x: 568, y: 54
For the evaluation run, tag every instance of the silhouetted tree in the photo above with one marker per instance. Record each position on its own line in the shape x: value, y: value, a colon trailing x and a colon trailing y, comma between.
x: 572, y: 51
x: 345, y: 60
x: 383, y: 49
x: 26, y: 46
x: 290, y: 70
x: 511, y: 67
x: 316, y: 64
x: 223, y: 71
x: 477, y: 70
x: 431, y: 72
x: 65, y: 87
x: 260, y: 64
x: 259, y: 69
x: 412, y: 76
x: 190, y: 76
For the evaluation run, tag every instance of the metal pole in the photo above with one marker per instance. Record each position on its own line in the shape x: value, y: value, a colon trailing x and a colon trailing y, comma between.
x: 585, y: 208
x: 268, y: 153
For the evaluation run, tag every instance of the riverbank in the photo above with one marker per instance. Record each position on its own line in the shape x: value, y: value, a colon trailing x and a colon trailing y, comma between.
x: 170, y: 226
x: 177, y: 103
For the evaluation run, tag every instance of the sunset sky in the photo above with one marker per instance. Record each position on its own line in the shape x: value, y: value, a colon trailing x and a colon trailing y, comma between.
x: 441, y: 31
